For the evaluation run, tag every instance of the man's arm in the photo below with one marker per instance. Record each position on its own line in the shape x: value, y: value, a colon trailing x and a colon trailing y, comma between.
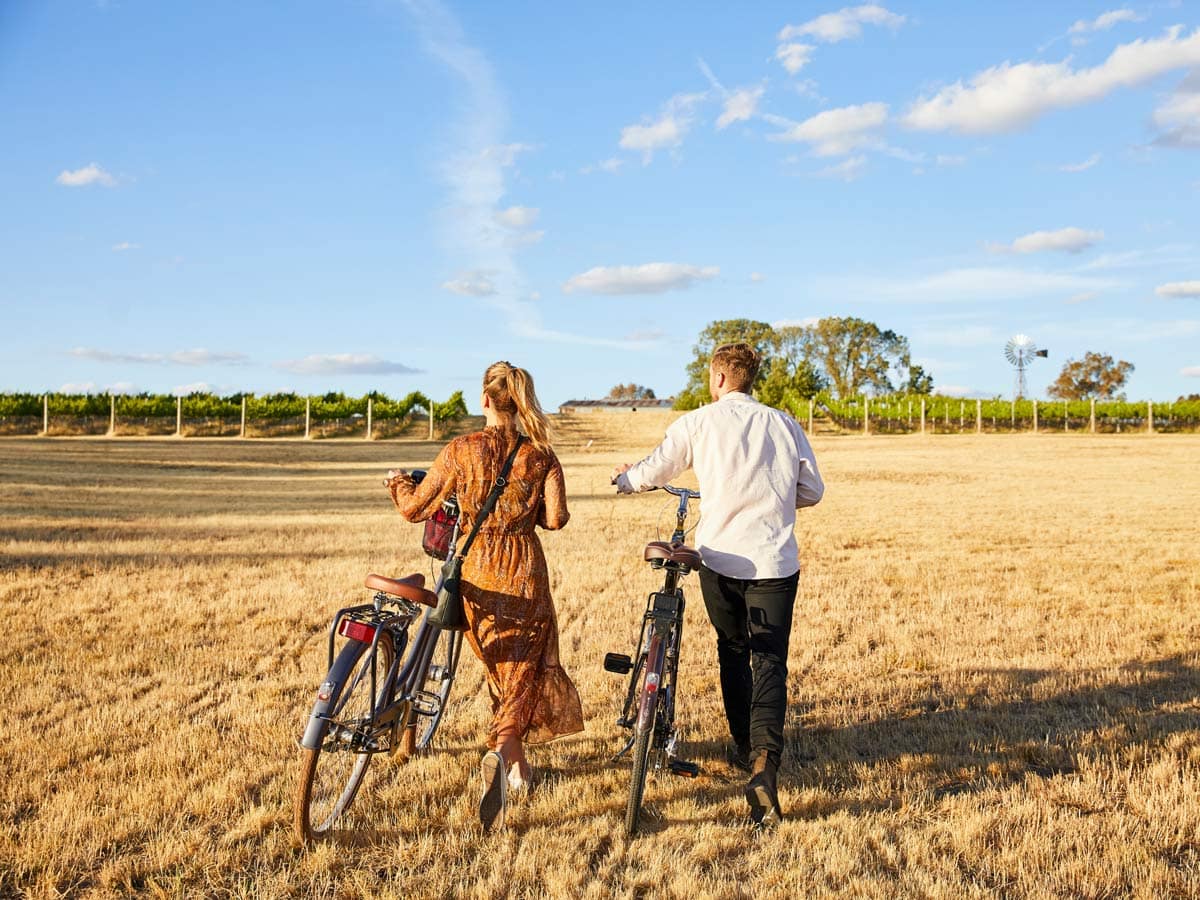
x: 809, y: 486
x: 666, y: 461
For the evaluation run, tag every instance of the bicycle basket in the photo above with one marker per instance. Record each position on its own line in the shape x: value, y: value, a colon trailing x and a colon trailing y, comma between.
x: 438, y: 529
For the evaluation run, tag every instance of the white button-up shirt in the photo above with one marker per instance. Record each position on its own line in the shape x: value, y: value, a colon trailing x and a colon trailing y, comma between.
x: 755, y: 469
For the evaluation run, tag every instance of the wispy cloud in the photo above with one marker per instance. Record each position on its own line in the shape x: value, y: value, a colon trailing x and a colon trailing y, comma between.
x: 842, y: 25
x: 806, y: 322
x: 517, y: 216
x: 1064, y: 240
x: 793, y: 56
x: 1178, y: 118
x: 664, y: 132
x: 471, y: 284
x: 1190, y: 371
x: 1104, y: 21
x: 1179, y: 289
x: 610, y: 165
x: 757, y: 277
x: 1008, y: 97
x: 849, y: 169
x: 199, y: 357
x: 345, y: 364
x: 835, y: 132
x: 1081, y: 166
x: 90, y: 174
x: 965, y: 285
x: 125, y: 245
x: 738, y: 105
x: 650, y: 278
x: 1083, y: 297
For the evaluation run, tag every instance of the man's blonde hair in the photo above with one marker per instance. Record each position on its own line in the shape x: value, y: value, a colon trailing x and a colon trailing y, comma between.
x: 739, y: 364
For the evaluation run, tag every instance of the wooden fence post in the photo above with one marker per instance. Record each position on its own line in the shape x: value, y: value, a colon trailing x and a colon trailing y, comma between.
x: 866, y: 415
x: 1092, y: 417
x: 922, y: 415
x: 1066, y: 415
x: 369, y: 401
x: 45, y: 414
x: 1014, y: 414
x: 1149, y: 417
x: 112, y: 415
x: 179, y: 416
x: 1035, y: 417
x: 307, y: 415
x: 243, y: 432
x: 810, y: 415
x: 431, y: 420
x: 978, y: 416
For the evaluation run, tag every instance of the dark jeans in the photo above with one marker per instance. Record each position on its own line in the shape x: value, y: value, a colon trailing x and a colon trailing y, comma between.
x: 753, y: 620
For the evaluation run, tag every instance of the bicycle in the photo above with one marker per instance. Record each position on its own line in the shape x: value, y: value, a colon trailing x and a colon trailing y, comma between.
x: 649, y: 708
x: 383, y: 693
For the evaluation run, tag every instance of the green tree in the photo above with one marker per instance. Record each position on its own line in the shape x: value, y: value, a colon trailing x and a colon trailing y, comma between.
x: 919, y: 381
x: 630, y: 391
x: 790, y: 368
x: 855, y: 354
x: 1096, y: 375
x: 759, y: 335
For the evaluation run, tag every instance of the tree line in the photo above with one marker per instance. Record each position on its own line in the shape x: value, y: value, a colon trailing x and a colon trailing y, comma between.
x: 844, y: 357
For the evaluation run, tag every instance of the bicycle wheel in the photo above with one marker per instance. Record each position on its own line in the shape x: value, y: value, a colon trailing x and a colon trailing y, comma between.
x: 330, y: 775
x: 443, y: 663
x: 637, y: 784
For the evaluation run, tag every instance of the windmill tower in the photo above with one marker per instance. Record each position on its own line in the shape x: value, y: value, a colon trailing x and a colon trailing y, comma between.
x: 1021, y: 351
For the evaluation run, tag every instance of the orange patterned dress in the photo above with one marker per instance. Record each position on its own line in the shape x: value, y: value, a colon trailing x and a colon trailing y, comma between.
x: 505, y: 582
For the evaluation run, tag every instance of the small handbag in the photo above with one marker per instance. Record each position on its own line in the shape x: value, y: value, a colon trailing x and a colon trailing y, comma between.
x: 449, y: 611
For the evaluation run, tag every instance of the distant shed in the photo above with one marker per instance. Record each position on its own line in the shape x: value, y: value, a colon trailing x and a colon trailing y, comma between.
x: 591, y: 406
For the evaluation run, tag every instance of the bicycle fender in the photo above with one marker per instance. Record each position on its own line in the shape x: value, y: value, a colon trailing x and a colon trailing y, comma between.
x: 328, y: 694
x: 650, y: 683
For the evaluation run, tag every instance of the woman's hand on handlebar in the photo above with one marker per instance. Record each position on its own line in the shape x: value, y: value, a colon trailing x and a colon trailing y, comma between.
x: 394, y: 475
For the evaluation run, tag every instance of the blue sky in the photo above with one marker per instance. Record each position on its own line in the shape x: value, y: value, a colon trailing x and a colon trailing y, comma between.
x: 385, y: 195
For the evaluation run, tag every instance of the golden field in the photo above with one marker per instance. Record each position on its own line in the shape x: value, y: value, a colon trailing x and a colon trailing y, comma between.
x: 994, y: 678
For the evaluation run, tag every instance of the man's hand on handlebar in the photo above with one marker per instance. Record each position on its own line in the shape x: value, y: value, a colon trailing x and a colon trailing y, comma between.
x: 623, y: 486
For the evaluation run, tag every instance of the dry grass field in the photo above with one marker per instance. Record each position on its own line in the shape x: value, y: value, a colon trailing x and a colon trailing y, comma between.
x: 994, y: 677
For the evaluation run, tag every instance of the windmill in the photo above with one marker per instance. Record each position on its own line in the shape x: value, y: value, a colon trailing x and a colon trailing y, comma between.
x: 1021, y: 351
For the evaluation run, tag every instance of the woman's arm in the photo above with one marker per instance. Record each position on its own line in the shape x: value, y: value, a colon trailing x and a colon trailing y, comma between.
x: 552, y: 513
x: 417, y: 502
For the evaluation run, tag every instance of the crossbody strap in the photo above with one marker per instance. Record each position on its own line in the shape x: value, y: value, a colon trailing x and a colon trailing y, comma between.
x: 490, y: 503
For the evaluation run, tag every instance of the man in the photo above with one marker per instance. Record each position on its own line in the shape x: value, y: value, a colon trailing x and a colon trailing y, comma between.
x: 755, y: 469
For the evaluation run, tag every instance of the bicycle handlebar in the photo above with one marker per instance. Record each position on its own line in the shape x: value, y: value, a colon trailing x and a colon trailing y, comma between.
x: 680, y: 492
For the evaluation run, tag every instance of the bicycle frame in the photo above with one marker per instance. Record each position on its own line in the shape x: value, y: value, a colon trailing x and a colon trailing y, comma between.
x: 387, y: 712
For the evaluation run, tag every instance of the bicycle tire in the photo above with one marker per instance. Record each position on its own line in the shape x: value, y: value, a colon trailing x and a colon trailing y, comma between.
x: 637, y: 783
x: 330, y: 776
x: 446, y: 651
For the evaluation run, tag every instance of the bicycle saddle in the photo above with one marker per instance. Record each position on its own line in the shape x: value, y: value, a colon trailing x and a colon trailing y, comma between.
x: 676, y: 553
x: 411, y: 587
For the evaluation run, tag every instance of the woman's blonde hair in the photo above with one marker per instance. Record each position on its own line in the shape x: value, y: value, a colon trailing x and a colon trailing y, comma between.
x: 511, y: 391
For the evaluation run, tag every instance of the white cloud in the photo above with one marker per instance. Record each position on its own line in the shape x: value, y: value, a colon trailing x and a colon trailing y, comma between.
x: 344, y: 364
x: 198, y: 357
x: 843, y: 24
x: 962, y: 391
x: 666, y: 131
x: 517, y: 216
x: 1081, y: 166
x: 1190, y: 371
x: 806, y: 322
x: 196, y: 387
x: 740, y: 106
x: 505, y: 155
x: 125, y: 245
x: 89, y: 174
x: 1105, y: 21
x: 1178, y: 118
x: 1007, y: 97
x: 650, y: 278
x: 471, y: 284
x: 948, y: 159
x: 610, y: 165
x: 646, y: 335
x: 1169, y: 254
x: 1179, y: 289
x: 837, y: 132
x: 1083, y: 297
x: 848, y: 169
x: 794, y: 57
x: 1064, y: 240
x: 757, y: 277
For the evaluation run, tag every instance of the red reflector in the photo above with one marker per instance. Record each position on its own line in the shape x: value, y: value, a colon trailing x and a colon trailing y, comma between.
x: 356, y: 631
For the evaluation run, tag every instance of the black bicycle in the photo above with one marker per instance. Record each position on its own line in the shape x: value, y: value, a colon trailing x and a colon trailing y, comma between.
x: 649, y: 708
x: 385, y: 692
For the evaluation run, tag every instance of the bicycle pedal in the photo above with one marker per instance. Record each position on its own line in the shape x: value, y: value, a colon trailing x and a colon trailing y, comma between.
x: 426, y: 703
x: 684, y: 768
x: 618, y: 663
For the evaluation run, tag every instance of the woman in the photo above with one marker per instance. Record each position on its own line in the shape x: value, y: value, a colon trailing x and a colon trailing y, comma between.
x: 505, y: 584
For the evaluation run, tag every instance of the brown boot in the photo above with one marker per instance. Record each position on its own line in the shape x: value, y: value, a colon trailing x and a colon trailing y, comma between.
x: 761, y: 792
